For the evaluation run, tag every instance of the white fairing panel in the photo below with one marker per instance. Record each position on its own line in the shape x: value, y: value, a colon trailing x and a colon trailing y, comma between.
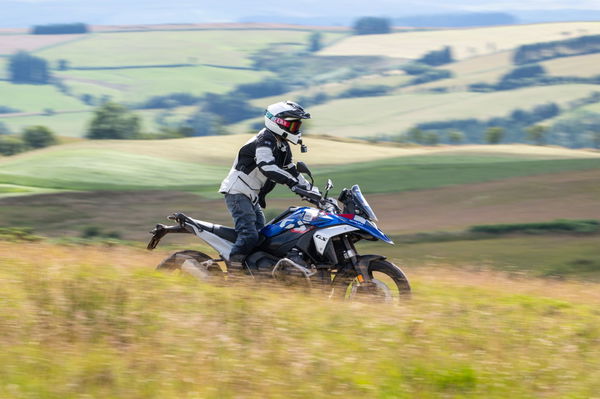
x: 322, y: 237
x: 222, y: 246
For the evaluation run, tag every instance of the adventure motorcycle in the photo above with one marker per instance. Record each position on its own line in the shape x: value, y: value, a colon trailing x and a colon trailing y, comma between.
x: 315, y: 246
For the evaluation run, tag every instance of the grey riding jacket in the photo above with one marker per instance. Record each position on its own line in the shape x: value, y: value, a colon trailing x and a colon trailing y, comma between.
x: 261, y: 163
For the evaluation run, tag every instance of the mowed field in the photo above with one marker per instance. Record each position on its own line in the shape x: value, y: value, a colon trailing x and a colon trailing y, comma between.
x: 98, y: 321
x: 465, y: 43
x: 369, y: 116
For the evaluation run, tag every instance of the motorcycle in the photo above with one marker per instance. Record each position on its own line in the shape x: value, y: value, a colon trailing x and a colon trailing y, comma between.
x: 311, y: 245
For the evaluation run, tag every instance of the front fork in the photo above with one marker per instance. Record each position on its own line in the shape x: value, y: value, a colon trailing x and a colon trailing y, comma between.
x: 359, y: 263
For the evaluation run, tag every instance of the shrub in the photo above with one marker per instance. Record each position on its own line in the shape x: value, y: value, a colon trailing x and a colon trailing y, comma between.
x: 113, y: 121
x: 11, y: 145
x: 38, y: 137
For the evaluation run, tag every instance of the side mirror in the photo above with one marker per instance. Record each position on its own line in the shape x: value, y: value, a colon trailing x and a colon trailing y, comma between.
x: 328, y: 187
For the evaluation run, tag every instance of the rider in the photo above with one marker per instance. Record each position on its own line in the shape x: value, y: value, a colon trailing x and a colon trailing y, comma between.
x: 266, y: 159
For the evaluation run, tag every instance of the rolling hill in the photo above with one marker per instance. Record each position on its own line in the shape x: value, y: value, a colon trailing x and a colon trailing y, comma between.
x: 465, y: 43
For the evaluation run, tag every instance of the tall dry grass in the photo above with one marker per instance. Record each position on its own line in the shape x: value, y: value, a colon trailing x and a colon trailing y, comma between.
x: 98, y: 322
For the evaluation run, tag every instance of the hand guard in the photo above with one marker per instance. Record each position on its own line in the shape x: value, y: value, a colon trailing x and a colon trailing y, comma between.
x: 306, y: 192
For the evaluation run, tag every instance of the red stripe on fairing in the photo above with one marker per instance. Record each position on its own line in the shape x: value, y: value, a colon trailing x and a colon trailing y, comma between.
x: 347, y: 215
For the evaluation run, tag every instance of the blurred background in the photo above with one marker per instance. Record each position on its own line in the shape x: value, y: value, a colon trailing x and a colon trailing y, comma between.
x: 473, y: 128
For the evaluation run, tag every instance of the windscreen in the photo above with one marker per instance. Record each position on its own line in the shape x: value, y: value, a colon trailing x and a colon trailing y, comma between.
x: 361, y: 202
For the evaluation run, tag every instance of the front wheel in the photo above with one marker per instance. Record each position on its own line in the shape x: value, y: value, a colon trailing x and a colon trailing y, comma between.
x: 389, y: 284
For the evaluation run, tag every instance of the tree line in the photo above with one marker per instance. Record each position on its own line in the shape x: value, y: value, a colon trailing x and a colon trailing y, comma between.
x: 538, y: 52
x: 59, y: 29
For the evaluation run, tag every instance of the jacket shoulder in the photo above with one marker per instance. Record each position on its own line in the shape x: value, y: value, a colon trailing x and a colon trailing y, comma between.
x: 266, y: 138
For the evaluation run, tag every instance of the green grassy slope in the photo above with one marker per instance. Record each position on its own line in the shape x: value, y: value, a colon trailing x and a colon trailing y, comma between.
x: 36, y: 98
x: 96, y: 169
x: 216, y: 47
x: 98, y: 322
x: 63, y: 124
x: 133, y: 85
x: 155, y: 165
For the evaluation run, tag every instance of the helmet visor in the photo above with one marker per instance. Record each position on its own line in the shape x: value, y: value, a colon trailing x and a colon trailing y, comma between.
x: 294, y: 126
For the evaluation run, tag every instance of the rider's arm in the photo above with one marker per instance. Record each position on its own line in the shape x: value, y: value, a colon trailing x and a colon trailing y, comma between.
x: 265, y: 160
x: 291, y: 168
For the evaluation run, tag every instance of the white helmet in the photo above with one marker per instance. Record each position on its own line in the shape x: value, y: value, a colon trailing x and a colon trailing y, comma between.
x: 285, y: 118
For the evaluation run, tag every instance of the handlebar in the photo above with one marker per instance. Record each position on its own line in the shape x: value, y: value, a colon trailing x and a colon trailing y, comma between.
x: 316, y: 199
x: 310, y: 195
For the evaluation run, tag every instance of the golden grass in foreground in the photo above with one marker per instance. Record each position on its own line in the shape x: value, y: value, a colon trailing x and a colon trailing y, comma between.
x: 98, y: 322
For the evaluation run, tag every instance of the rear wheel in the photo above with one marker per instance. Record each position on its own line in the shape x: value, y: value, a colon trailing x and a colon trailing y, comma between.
x: 388, y: 284
x: 191, y: 262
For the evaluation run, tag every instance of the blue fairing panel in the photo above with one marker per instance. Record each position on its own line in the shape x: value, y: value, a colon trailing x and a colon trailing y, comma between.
x: 306, y: 218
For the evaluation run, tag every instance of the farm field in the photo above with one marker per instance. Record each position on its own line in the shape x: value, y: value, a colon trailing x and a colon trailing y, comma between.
x: 95, y: 318
x: 369, y: 116
x: 465, y: 43
x: 37, y: 98
x: 214, y: 47
x: 11, y: 43
x: 135, y: 85
x: 74, y: 124
x: 582, y: 65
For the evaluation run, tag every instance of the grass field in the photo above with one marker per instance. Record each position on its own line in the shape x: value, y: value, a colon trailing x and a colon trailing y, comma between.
x: 369, y: 116
x: 215, y: 47
x: 200, y: 163
x: 558, y: 256
x: 36, y: 98
x: 69, y: 124
x: 465, y: 43
x: 135, y: 85
x: 97, y: 321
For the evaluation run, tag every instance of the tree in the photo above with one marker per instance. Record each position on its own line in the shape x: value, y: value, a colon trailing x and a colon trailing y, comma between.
x: 494, y: 135
x: 416, y: 135
x: 11, y: 145
x: 26, y: 68
x: 371, y: 26
x: 114, y: 121
x: 38, y: 137
x: 314, y: 42
x: 431, y: 138
x: 537, y: 134
x: 456, y: 136
x: 437, y: 57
